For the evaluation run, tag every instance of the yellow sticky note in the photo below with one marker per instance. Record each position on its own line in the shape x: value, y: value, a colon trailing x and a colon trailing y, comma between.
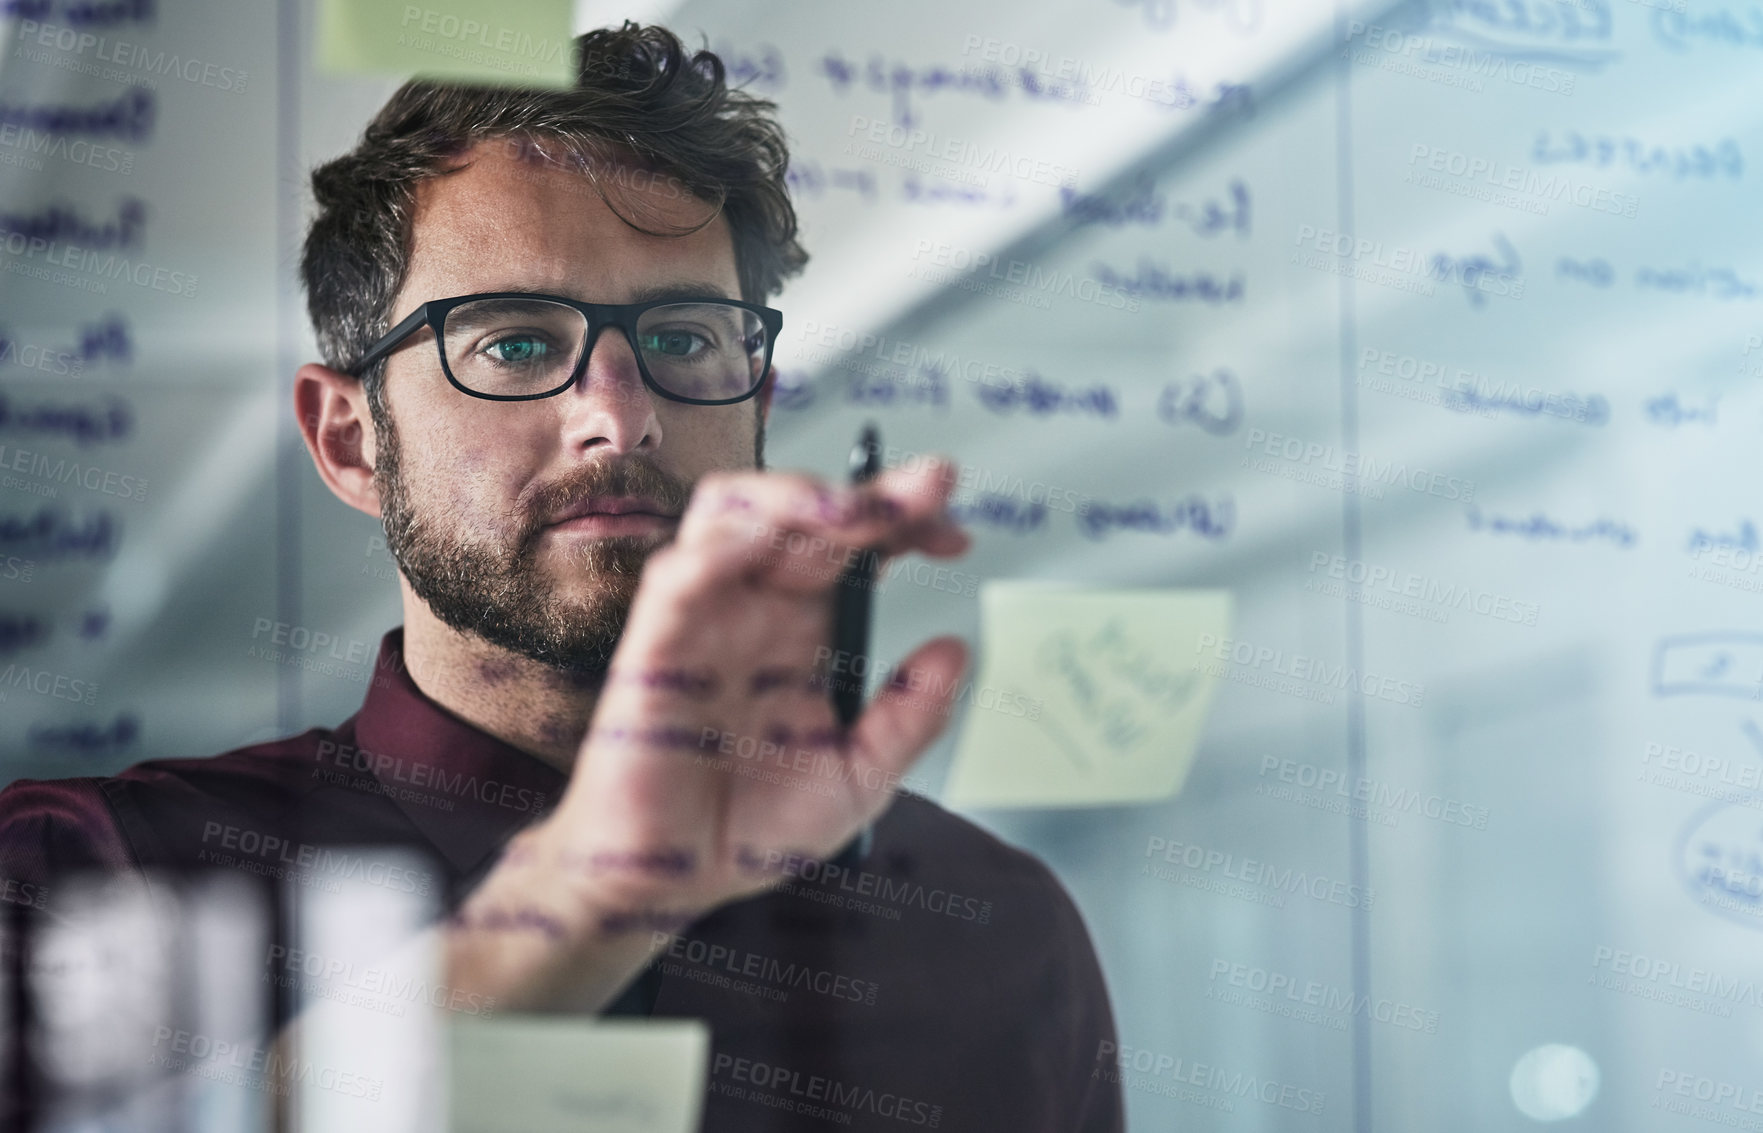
x: 562, y: 1074
x: 511, y: 42
x: 1085, y: 696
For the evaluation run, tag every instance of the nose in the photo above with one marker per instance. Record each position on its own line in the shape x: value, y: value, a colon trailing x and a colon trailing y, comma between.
x: 609, y: 405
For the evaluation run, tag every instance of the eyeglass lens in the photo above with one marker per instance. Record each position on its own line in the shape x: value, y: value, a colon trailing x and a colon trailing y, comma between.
x: 517, y: 347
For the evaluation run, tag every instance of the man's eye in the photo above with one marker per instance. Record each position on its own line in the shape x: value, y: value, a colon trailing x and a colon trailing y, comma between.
x: 675, y: 343
x: 517, y: 350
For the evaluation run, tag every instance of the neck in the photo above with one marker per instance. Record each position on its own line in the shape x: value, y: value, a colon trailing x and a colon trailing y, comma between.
x: 540, y: 710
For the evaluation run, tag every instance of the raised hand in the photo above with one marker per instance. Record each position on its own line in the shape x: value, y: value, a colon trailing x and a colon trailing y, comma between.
x: 714, y: 754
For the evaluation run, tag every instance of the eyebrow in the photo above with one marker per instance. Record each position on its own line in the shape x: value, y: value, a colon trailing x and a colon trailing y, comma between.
x: 653, y: 293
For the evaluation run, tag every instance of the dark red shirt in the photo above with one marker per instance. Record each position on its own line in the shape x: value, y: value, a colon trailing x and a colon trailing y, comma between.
x: 930, y: 976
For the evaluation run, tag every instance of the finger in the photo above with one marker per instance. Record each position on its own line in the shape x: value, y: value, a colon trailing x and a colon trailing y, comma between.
x: 795, y: 532
x: 909, y: 712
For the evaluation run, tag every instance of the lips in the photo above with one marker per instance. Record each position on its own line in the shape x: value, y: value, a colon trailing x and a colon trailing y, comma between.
x: 613, y: 505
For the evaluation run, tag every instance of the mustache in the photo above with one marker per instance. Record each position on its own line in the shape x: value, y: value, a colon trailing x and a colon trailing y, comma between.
x: 627, y: 476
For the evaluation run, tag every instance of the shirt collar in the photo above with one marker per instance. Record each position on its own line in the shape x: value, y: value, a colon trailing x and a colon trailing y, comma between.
x: 464, y: 790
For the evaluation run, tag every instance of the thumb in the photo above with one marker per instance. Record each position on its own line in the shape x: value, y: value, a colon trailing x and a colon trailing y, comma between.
x: 912, y: 708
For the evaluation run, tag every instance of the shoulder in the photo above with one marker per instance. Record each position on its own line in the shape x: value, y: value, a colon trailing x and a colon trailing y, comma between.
x: 51, y: 825
x: 920, y: 839
x: 122, y: 821
x: 1029, y: 951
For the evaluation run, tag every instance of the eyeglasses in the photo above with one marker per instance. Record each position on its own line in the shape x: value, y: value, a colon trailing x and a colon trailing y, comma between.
x: 519, y: 346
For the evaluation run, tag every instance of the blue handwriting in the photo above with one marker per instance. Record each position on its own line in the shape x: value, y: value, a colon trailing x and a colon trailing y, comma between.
x: 1745, y: 538
x: 1537, y: 30
x: 64, y: 223
x: 903, y: 389
x: 1042, y: 397
x: 1195, y: 402
x: 1147, y: 206
x: 1154, y: 282
x: 51, y: 534
x: 1677, y: 30
x: 995, y: 510
x: 21, y: 631
x: 902, y: 79
x: 808, y: 179
x: 80, y: 13
x: 1666, y: 411
x: 1479, y: 275
x: 129, y: 118
x: 791, y: 390
x: 764, y: 70
x: 1596, y: 272
x: 1717, y: 283
x: 1592, y: 409
x: 1712, y: 664
x: 1207, y: 519
x: 77, y: 422
x: 1541, y: 527
x: 1603, y: 150
x: 119, y: 735
x: 1240, y: 16
x: 108, y: 336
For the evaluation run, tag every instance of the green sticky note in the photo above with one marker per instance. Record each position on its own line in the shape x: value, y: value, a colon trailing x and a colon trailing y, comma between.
x: 562, y: 1074
x: 514, y: 42
x: 1085, y: 696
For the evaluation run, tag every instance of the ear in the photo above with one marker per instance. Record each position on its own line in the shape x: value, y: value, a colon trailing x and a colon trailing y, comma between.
x: 338, y: 427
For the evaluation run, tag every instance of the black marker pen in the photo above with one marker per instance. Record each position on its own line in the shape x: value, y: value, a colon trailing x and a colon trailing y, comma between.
x: 851, y: 599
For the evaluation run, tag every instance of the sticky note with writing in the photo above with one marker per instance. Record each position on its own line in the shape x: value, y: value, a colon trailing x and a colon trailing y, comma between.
x: 1085, y: 697
x: 468, y: 41
x: 560, y: 1074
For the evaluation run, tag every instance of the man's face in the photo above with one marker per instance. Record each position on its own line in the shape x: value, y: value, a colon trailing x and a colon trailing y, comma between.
x: 474, y: 493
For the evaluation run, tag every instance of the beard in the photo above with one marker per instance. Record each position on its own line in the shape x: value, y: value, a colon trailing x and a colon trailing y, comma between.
x: 496, y: 591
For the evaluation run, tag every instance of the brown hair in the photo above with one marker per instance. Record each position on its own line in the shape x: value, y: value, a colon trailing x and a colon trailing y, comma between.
x: 639, y: 99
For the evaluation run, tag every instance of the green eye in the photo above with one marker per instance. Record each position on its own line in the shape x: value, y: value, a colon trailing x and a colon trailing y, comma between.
x: 518, y: 350
x: 674, y: 343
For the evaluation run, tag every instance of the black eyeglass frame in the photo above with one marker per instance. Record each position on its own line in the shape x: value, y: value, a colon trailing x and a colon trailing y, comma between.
x: 433, y: 314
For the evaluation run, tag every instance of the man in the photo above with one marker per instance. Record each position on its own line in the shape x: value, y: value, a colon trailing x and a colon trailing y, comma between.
x: 547, y: 367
